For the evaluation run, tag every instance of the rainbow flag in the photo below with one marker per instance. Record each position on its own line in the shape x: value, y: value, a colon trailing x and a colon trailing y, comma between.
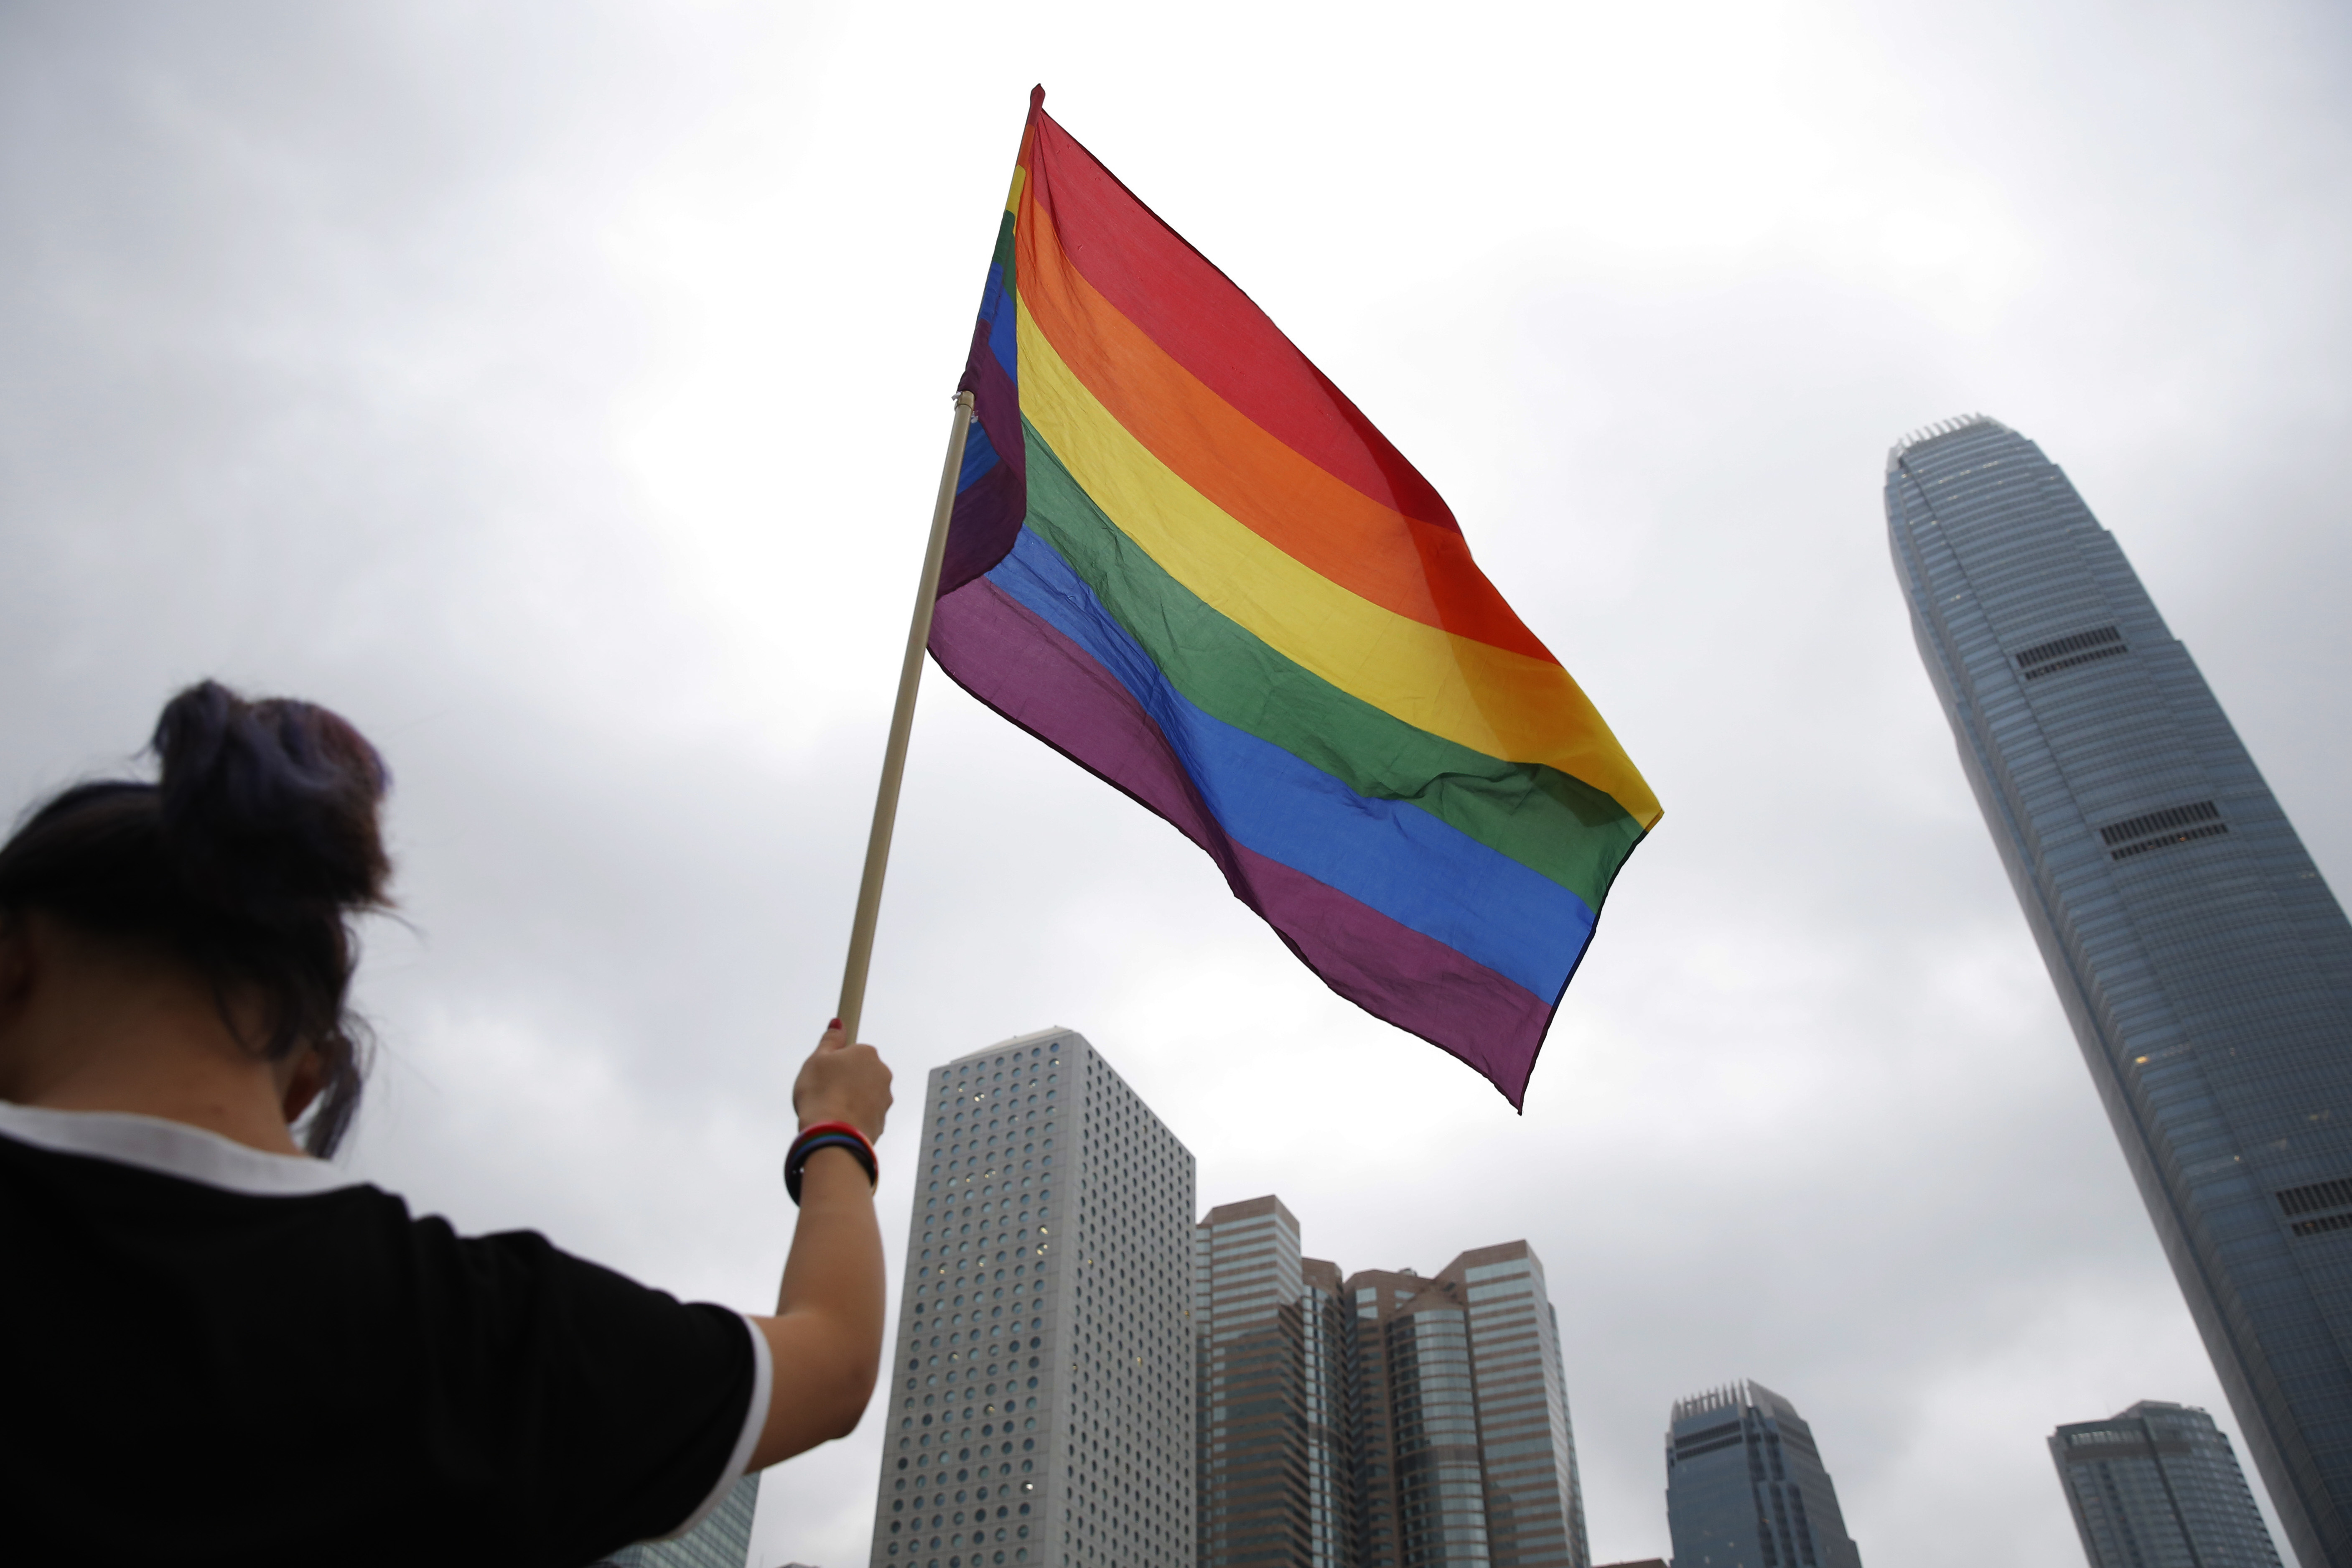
x: 1183, y: 559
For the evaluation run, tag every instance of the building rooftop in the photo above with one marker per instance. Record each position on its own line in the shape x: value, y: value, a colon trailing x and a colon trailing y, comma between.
x: 1941, y: 428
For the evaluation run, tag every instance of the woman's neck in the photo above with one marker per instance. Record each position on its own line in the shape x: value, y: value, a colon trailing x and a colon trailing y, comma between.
x: 87, y: 1025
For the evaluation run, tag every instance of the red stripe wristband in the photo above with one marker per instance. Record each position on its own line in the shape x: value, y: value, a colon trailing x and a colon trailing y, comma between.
x: 828, y: 1135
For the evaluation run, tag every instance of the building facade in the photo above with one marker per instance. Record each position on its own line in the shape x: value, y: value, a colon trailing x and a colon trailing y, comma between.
x: 2204, y: 965
x: 2157, y: 1486
x: 1272, y: 1383
x: 1387, y: 1420
x: 723, y: 1539
x: 1747, y: 1488
x: 1041, y: 1399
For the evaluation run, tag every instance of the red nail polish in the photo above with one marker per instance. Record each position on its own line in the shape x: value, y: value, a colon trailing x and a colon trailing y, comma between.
x: 834, y: 1025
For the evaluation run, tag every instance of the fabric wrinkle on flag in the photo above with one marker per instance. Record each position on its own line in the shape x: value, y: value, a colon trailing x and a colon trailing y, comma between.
x: 1183, y: 558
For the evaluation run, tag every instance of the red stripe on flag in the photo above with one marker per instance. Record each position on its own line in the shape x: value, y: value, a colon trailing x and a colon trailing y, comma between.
x: 1208, y: 325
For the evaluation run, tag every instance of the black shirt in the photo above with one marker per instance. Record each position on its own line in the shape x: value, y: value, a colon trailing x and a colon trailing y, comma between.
x: 216, y: 1355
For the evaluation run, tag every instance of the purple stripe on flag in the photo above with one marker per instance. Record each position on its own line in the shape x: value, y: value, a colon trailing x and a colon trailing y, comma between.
x: 989, y: 510
x: 1010, y: 659
x: 1393, y: 972
x: 987, y: 519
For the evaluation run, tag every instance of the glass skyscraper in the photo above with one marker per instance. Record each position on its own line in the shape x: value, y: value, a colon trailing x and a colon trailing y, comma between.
x: 2206, y: 968
x: 723, y: 1539
x: 1389, y: 1420
x: 1041, y: 1400
x: 2156, y: 1486
x: 1745, y: 1486
x: 1274, y: 1387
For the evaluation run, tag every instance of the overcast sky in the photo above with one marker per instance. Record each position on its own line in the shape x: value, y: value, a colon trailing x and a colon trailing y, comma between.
x: 558, y: 391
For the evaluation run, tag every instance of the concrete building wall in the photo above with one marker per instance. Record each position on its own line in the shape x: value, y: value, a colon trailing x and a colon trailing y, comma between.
x: 1040, y: 1406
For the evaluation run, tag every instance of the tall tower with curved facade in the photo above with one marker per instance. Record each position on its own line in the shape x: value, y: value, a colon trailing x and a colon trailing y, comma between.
x: 2205, y: 966
x: 2157, y: 1483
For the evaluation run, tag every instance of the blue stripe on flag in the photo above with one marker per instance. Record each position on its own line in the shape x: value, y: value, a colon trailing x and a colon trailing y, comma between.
x: 996, y: 310
x: 979, y: 455
x: 1418, y: 870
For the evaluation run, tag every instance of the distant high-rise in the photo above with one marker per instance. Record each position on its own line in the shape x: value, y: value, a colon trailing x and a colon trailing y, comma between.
x: 723, y: 1539
x: 1276, y: 1376
x: 2157, y: 1486
x: 1745, y: 1486
x: 1041, y: 1404
x: 1387, y: 1421
x: 2205, y: 967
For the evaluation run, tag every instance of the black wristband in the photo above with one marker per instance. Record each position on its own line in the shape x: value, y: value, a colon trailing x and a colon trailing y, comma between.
x: 828, y: 1135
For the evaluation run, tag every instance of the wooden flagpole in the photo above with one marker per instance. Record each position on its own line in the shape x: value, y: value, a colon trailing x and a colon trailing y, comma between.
x: 902, y: 723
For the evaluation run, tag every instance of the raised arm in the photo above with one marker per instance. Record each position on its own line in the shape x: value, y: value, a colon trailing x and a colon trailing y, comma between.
x: 826, y: 1335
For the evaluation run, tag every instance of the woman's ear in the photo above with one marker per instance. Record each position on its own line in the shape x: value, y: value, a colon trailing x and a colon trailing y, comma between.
x: 302, y: 1085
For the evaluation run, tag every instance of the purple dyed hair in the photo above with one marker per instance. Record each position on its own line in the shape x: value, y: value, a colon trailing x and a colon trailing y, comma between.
x: 245, y: 860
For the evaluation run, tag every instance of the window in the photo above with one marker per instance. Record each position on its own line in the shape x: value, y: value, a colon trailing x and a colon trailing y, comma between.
x: 2160, y: 829
x: 2066, y: 652
x: 2334, y: 1195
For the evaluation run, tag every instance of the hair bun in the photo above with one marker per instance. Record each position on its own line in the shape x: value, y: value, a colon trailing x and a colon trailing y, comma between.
x: 270, y: 804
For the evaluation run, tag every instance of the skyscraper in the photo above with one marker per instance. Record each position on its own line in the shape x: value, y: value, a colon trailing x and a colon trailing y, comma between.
x: 2156, y: 1486
x: 1041, y: 1402
x: 723, y: 1539
x: 2204, y: 965
x: 1745, y: 1486
x: 1275, y: 1375
x: 1386, y: 1421
x: 1526, y: 1449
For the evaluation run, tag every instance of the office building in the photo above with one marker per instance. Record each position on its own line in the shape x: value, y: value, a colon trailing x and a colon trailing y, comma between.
x: 723, y: 1539
x: 1041, y: 1398
x: 1747, y: 1488
x: 2157, y: 1486
x: 1388, y: 1420
x: 2204, y: 965
x: 1273, y: 1343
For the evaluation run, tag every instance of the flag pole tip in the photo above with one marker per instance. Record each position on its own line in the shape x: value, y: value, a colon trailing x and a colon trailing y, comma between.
x: 1037, y: 97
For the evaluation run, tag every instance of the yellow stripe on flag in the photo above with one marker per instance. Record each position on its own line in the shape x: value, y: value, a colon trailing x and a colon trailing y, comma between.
x: 1505, y: 704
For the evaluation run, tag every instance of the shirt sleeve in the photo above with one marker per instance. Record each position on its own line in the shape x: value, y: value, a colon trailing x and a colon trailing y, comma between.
x: 585, y: 1410
x: 755, y: 1421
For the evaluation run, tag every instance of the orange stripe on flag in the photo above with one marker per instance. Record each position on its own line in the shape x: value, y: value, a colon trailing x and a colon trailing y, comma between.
x: 1412, y: 568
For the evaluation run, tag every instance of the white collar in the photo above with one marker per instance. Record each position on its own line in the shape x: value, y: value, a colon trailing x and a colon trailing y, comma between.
x: 172, y: 1149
